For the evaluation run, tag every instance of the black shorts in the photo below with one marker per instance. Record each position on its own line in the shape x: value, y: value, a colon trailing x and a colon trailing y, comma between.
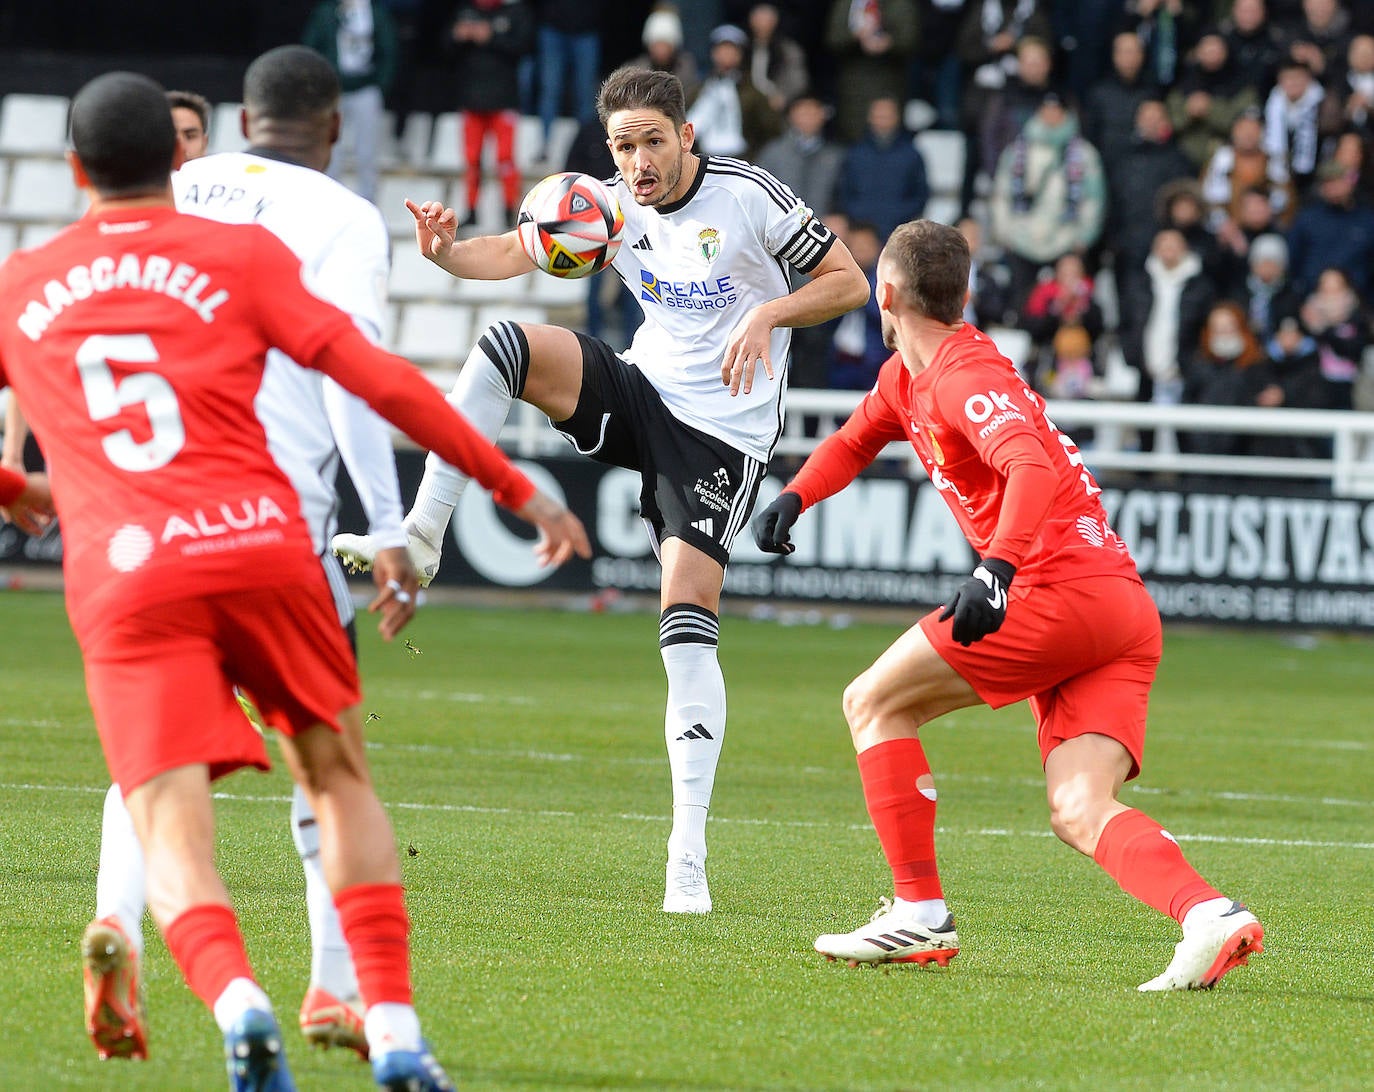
x: 692, y: 486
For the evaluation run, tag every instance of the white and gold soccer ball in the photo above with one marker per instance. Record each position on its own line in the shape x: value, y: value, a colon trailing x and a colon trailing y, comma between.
x: 570, y: 225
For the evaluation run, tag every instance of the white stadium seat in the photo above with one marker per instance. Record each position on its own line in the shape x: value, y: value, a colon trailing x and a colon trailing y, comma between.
x: 42, y: 189
x: 434, y: 333
x: 557, y: 292
x: 392, y: 191
x: 942, y: 209
x: 413, y: 146
x: 943, y: 151
x: 446, y: 144
x: 918, y: 114
x: 514, y: 290
x: 226, y: 134
x: 492, y: 313
x: 37, y: 234
x: 33, y: 124
x: 560, y: 140
x: 9, y: 240
x: 415, y: 277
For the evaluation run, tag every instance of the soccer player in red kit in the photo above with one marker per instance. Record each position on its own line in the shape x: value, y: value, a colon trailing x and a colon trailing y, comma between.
x: 1055, y: 612
x: 135, y: 341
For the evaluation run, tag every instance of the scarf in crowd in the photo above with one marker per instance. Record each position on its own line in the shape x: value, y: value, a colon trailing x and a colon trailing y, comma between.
x: 1291, y: 127
x: 1075, y: 170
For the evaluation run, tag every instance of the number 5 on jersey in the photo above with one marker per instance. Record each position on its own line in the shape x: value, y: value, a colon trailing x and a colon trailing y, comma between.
x: 106, y: 399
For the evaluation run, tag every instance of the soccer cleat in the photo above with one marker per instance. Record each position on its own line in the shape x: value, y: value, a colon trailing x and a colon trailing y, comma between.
x: 253, y: 1055
x: 410, y: 1071
x: 327, y: 1021
x: 1209, y: 949
x: 114, y: 1006
x: 357, y: 553
x: 685, y: 891
x: 892, y: 937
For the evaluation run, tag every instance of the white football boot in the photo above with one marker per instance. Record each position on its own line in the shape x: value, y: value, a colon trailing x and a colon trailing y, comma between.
x: 357, y: 553
x: 685, y: 891
x: 1218, y: 935
x: 893, y: 936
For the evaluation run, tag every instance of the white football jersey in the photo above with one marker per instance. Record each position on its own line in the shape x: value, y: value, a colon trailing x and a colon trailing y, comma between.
x: 697, y: 267
x: 345, y: 255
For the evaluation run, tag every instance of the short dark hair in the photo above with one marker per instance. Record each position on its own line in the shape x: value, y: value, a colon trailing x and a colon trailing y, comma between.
x: 291, y: 82
x: 933, y: 261
x: 633, y: 88
x: 122, y: 132
x: 189, y: 100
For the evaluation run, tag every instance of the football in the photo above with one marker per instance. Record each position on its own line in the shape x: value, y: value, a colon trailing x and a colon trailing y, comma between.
x: 570, y: 225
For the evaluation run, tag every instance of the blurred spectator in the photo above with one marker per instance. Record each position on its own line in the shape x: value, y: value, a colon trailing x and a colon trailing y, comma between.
x: 1134, y: 177
x: 1267, y: 296
x: 405, y: 18
x: 590, y: 154
x: 1110, y: 106
x: 1355, y: 152
x: 989, y: 280
x: 731, y: 115
x: 803, y: 157
x: 1255, y: 218
x: 777, y: 65
x: 1349, y: 102
x: 936, y: 75
x: 987, y: 51
x: 1334, y: 316
x: 488, y: 39
x: 1254, y: 43
x: 569, y: 60
x: 1322, y: 37
x: 1208, y: 97
x: 1068, y: 370
x: 1291, y: 376
x: 1242, y: 165
x: 1009, y: 109
x: 1291, y: 132
x: 1220, y: 373
x: 1179, y: 205
x: 857, y: 350
x: 1066, y: 299
x: 1161, y: 326
x: 1331, y: 229
x: 873, y: 41
x: 1168, y: 29
x: 357, y: 38
x: 883, y: 180
x: 1048, y: 195
x: 1083, y: 39
x: 191, y: 119
x: 663, y: 50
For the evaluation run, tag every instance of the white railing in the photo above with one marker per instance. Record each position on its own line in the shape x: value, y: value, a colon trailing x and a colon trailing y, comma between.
x: 1348, y: 473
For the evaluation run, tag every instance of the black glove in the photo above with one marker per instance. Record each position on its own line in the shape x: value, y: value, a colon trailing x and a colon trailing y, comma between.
x: 772, y: 524
x: 980, y: 605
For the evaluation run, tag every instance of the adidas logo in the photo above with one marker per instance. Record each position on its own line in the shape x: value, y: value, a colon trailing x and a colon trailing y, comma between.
x: 696, y: 731
x: 705, y: 526
x: 642, y: 244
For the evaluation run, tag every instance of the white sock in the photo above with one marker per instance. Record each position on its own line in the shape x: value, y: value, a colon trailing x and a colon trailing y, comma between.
x: 492, y: 377
x: 391, y: 1026
x: 121, y: 883
x: 331, y: 963
x: 932, y: 912
x: 1210, y: 909
x: 694, y: 724
x: 238, y: 997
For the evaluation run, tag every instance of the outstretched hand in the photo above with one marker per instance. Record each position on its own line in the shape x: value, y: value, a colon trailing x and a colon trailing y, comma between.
x: 750, y: 345
x: 436, y: 229
x: 32, y: 511
x: 561, y: 533
x: 399, y: 590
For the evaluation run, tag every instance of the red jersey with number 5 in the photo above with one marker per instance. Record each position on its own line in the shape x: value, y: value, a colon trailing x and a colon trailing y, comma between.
x: 971, y: 419
x: 135, y: 342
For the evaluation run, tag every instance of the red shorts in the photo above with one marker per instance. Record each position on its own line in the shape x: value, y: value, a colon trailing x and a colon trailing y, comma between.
x: 161, y: 681
x: 1083, y: 651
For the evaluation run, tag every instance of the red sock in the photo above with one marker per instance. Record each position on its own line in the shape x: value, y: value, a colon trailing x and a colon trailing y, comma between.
x: 902, y: 815
x: 1145, y: 860
x: 206, y: 943
x: 374, y: 921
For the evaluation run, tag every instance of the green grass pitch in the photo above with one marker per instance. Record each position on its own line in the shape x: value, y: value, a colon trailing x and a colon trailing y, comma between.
x: 521, y: 755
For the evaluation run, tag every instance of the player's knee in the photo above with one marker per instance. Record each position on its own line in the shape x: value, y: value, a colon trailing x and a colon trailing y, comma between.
x: 1075, y: 816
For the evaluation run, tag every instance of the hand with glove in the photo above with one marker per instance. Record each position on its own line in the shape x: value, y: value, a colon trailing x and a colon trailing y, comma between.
x: 772, y: 524
x: 980, y: 605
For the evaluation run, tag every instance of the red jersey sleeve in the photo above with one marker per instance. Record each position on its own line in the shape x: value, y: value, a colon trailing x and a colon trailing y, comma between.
x: 401, y: 394
x: 839, y: 458
x: 12, y: 484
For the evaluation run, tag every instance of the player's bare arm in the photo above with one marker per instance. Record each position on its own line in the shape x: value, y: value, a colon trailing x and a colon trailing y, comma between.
x: 837, y: 285
x: 561, y: 533
x: 16, y: 433
x: 485, y: 258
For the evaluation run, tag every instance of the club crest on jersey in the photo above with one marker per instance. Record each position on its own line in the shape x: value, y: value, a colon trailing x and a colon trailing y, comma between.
x: 708, y: 242
x: 935, y: 449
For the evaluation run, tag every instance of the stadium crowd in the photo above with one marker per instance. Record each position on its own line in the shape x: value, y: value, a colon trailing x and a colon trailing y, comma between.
x: 1183, y: 187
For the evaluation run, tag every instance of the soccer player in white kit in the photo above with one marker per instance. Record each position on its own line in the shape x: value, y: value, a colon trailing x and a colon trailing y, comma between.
x: 707, y: 246
x: 290, y: 121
